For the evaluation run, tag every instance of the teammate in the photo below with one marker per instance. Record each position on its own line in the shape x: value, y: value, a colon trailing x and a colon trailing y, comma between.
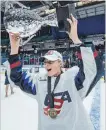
x: 7, y: 84
x: 59, y: 94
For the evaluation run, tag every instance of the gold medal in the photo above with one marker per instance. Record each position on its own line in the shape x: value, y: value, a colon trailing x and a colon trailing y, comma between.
x: 52, y: 113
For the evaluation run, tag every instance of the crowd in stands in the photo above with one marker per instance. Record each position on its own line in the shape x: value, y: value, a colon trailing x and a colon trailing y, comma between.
x: 70, y: 58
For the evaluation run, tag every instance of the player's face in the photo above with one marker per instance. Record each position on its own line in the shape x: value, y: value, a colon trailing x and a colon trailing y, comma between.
x: 53, y: 67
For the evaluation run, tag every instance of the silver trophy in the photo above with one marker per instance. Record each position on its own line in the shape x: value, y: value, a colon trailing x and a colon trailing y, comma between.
x: 25, y: 21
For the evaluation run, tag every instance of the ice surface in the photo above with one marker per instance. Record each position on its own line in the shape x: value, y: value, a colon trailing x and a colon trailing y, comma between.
x: 18, y: 111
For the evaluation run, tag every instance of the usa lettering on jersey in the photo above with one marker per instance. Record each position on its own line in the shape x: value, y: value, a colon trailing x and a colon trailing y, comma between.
x: 59, y: 99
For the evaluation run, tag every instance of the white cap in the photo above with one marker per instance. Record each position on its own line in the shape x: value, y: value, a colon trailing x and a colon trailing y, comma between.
x: 53, y: 55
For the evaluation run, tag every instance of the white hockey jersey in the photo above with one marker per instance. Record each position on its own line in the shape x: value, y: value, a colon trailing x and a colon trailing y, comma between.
x: 74, y: 85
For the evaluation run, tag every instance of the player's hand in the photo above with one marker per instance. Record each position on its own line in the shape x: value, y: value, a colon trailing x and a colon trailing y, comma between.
x: 14, y: 42
x: 73, y: 31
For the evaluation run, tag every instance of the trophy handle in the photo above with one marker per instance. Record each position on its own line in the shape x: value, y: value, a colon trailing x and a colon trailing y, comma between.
x: 22, y: 43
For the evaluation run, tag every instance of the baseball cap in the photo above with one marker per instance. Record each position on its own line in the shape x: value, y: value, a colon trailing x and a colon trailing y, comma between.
x: 53, y: 55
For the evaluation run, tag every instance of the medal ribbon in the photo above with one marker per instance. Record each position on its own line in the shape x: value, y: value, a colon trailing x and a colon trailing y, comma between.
x: 51, y: 94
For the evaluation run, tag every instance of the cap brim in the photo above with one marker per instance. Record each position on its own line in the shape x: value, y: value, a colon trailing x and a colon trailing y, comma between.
x: 51, y: 58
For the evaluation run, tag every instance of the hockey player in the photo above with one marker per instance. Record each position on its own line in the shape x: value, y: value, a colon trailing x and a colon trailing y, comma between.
x: 7, y: 83
x: 7, y: 79
x: 60, y: 94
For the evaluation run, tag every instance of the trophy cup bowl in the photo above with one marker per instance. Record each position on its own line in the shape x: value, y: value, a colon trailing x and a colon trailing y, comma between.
x: 24, y: 21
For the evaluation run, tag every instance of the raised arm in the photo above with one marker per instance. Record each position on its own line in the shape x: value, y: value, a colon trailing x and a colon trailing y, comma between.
x: 91, y: 69
x: 22, y: 79
x: 90, y: 64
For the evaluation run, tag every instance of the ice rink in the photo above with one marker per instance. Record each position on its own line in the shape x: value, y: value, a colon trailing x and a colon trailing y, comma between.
x: 19, y: 111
